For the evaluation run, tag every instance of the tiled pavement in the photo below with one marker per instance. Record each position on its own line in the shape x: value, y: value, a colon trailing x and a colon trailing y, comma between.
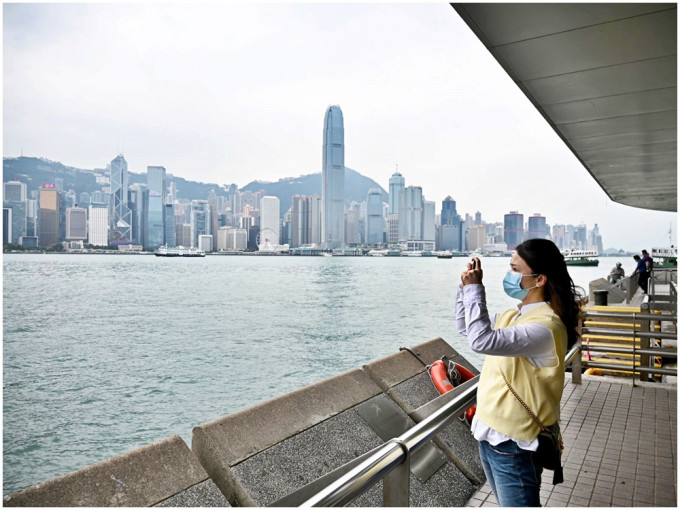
x: 620, y: 447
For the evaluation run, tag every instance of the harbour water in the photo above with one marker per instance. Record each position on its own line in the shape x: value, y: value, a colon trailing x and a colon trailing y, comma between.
x: 106, y: 353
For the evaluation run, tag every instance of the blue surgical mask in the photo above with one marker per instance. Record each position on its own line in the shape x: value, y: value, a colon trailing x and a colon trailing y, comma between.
x: 512, y: 285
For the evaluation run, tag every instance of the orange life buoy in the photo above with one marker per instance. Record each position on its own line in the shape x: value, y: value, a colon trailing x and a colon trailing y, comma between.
x: 439, y: 377
x: 443, y: 384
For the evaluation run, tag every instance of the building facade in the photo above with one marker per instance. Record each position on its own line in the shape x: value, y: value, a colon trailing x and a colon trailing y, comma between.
x: 270, y: 221
x: 121, y: 220
x: 397, y: 183
x: 374, y: 219
x: 98, y: 225
x: 48, y: 234
x: 76, y: 224
x: 513, y: 229
x: 333, y: 180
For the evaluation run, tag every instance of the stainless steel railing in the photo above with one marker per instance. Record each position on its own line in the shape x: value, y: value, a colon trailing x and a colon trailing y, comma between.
x: 642, y: 337
x: 391, y: 462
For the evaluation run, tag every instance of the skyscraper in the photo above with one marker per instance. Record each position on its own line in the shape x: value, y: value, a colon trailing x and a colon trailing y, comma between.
x: 49, y: 216
x: 98, y: 225
x: 333, y: 180
x: 411, y: 214
x: 397, y: 183
x: 537, y: 227
x: 155, y: 180
x: 76, y: 224
x: 513, y: 229
x: 374, y: 218
x: 269, y: 222
x: 121, y: 221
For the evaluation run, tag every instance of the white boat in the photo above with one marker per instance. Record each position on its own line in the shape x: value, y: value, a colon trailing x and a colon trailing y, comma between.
x: 581, y: 257
x: 178, y: 251
x: 665, y: 257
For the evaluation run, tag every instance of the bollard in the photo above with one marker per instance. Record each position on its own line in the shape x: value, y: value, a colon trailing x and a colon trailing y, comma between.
x: 601, y: 297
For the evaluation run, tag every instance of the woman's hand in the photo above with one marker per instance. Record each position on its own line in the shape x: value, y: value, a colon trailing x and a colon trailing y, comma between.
x: 474, y: 273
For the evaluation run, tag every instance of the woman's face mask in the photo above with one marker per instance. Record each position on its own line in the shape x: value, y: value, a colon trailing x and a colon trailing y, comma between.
x: 512, y: 285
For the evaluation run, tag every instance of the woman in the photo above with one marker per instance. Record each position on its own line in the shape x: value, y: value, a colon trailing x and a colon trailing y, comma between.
x: 528, y: 345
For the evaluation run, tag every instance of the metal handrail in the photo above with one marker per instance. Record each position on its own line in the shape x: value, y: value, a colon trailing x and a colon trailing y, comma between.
x: 396, y: 452
x: 357, y: 481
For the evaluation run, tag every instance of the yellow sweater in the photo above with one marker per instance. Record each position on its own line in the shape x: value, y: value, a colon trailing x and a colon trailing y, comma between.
x: 540, y: 388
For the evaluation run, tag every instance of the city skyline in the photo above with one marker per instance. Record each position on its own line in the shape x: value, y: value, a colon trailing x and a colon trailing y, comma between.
x: 418, y: 92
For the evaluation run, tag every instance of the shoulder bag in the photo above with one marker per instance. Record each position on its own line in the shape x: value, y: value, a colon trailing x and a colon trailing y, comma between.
x: 550, y: 446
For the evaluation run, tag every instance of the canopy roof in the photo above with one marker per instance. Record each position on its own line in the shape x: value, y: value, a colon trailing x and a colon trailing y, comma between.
x: 604, y: 76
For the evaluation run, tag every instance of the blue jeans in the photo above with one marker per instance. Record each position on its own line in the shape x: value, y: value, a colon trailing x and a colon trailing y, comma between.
x: 514, y: 478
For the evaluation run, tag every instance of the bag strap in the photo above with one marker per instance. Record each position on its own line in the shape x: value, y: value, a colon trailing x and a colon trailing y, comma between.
x: 526, y: 407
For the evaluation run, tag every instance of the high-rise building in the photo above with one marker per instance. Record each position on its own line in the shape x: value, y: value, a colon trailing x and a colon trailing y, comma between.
x: 183, y: 234
x: 121, y: 221
x: 513, y: 229
x: 374, y: 218
x: 98, y: 225
x: 200, y: 220
x: 333, y: 180
x: 429, y: 232
x: 76, y: 224
x: 352, y: 232
x: 6, y: 225
x: 300, y: 218
x: 397, y: 183
x: 537, y: 227
x: 169, y: 222
x: 138, y: 203
x: 476, y: 237
x: 19, y: 214
x: 156, y: 182
x: 270, y: 220
x: 15, y: 191
x: 48, y: 234
x: 392, y: 228
x: 411, y: 214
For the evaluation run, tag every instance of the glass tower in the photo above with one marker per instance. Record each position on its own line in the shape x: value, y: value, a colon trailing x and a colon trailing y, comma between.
x: 374, y: 218
x: 397, y: 183
x: 121, y: 221
x: 333, y: 180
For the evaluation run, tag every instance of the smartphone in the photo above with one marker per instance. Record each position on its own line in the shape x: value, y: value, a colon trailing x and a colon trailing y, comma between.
x: 474, y: 264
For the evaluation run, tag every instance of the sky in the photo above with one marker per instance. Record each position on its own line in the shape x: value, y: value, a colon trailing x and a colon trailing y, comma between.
x: 234, y: 92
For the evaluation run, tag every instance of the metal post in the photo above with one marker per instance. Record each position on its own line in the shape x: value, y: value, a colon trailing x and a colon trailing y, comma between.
x: 396, y: 485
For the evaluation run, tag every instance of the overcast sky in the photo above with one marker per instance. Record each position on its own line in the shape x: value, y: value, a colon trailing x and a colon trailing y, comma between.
x: 233, y: 92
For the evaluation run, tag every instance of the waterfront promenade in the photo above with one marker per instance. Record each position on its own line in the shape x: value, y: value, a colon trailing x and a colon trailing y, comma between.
x: 620, y: 447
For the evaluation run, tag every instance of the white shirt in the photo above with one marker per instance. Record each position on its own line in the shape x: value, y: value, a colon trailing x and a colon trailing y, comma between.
x: 533, y: 341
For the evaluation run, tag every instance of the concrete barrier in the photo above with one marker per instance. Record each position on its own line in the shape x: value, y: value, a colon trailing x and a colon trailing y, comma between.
x: 277, y: 452
x: 270, y: 454
x: 164, y: 473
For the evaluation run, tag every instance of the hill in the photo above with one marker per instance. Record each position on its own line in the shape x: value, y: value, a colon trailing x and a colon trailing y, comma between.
x: 356, y: 187
x: 37, y: 171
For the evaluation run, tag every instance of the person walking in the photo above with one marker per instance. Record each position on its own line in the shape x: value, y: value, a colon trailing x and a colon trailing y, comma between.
x: 641, y: 271
x: 526, y: 345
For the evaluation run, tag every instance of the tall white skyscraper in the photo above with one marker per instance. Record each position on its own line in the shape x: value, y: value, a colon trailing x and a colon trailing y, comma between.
x: 98, y: 225
x: 411, y: 214
x: 333, y: 180
x: 270, y: 209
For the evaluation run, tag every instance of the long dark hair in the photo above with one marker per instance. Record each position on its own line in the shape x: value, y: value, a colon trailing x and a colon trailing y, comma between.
x: 543, y: 257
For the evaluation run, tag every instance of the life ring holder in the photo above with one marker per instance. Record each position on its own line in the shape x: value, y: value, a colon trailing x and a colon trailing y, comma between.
x: 439, y: 375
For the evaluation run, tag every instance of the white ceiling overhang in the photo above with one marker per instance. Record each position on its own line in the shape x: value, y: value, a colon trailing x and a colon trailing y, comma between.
x: 604, y: 76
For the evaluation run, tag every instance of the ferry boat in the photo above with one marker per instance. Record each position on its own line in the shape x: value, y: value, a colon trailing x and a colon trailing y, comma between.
x: 179, y: 251
x: 581, y: 257
x: 665, y: 257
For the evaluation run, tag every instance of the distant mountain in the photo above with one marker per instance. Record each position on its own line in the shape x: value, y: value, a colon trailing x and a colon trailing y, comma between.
x: 37, y: 171
x: 357, y: 187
